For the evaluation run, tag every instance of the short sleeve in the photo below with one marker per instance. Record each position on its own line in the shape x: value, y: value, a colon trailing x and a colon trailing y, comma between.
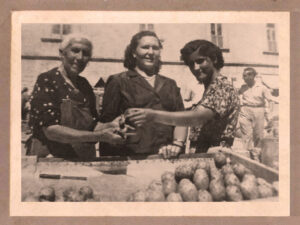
x: 45, y: 111
x: 217, y: 100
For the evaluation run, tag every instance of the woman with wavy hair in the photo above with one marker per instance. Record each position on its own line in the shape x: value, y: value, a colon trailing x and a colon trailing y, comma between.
x: 142, y: 86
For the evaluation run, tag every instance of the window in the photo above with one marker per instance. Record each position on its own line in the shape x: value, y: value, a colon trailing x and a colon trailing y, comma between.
x: 216, y: 34
x: 271, y: 38
x: 61, y: 29
x: 57, y: 31
x: 147, y: 27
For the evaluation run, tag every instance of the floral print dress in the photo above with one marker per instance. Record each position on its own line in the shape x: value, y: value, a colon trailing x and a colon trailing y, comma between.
x: 223, y: 100
x: 49, y: 91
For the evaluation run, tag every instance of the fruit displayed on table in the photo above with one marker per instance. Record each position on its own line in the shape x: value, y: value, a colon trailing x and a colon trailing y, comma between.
x: 249, y: 189
x: 227, y: 169
x: 174, y: 197
x: 70, y: 194
x: 220, y: 159
x: 206, y: 181
x: 47, y: 194
x: 86, y: 192
x: 204, y: 196
x: 217, y: 190
x: 167, y: 176
x: 187, y: 190
x: 239, y: 170
x: 234, y: 193
x: 155, y: 196
x: 184, y: 171
x: 231, y: 179
x: 202, y: 180
x: 139, y: 196
x: 169, y: 186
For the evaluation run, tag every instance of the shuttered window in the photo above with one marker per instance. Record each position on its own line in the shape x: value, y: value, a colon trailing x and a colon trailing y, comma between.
x: 216, y: 34
x: 271, y: 37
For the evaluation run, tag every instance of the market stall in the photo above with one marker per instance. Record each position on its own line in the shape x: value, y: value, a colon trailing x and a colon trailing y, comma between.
x: 142, y: 178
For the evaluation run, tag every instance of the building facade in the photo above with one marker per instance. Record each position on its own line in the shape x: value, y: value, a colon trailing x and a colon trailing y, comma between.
x: 243, y: 45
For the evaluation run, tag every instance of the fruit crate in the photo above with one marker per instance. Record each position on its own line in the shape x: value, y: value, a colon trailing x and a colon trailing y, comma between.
x: 113, y: 178
x: 258, y: 169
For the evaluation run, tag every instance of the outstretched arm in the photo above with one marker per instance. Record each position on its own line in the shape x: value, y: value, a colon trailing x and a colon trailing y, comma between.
x: 185, y: 118
x: 64, y: 134
x: 69, y: 135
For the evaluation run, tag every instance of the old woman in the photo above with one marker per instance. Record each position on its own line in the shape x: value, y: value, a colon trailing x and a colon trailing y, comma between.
x: 63, y: 109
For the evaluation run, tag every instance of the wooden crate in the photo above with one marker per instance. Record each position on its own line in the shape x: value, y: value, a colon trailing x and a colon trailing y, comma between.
x: 132, y: 172
x: 117, y: 164
x: 258, y: 169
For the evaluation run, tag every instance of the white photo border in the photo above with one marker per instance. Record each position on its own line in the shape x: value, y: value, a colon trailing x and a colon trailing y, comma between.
x: 280, y: 208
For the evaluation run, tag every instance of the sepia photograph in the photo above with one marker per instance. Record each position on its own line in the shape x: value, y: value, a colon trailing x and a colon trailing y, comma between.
x: 150, y: 113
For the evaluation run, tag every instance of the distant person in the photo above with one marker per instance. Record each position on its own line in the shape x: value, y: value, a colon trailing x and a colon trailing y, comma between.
x: 59, y: 88
x: 254, y: 95
x: 214, y: 117
x: 142, y: 86
x: 25, y: 105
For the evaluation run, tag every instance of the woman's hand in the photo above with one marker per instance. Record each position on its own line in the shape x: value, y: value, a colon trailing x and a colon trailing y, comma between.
x: 115, y: 132
x: 137, y: 117
x: 110, y: 135
x: 114, y: 124
x: 169, y: 151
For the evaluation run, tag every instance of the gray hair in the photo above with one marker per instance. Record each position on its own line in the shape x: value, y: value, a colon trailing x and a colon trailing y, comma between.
x: 68, y: 39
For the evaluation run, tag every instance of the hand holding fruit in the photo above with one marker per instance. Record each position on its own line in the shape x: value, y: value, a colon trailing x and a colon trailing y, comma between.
x: 115, y: 132
x: 137, y: 117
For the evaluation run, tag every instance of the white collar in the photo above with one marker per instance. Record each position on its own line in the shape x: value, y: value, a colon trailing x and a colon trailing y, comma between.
x: 63, y: 73
x: 144, y: 75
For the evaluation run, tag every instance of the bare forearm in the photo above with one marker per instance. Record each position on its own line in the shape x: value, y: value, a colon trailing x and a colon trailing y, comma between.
x: 185, y: 118
x: 180, y: 133
x: 68, y: 135
x: 182, y: 119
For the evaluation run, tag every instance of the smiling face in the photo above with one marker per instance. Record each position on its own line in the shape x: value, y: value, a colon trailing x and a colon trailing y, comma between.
x: 147, y: 54
x: 76, y: 56
x: 202, y: 67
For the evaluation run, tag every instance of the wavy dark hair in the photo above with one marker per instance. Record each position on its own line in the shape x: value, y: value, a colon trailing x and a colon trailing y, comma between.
x: 129, y: 60
x: 205, y: 48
